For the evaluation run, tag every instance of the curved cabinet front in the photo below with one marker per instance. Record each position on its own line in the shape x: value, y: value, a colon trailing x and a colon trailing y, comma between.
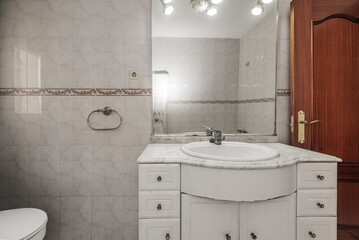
x: 238, y: 185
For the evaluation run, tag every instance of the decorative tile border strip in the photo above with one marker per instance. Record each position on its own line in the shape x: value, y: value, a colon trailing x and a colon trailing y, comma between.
x: 75, y: 92
x: 259, y: 100
x: 283, y: 92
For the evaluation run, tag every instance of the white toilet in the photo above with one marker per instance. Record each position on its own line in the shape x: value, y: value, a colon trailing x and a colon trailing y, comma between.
x: 23, y: 224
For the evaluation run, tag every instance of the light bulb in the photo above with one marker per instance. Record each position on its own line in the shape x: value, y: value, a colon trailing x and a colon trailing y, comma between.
x: 257, y: 9
x: 168, y: 9
x: 267, y: 1
x: 168, y: 1
x: 211, y: 11
x: 217, y: 1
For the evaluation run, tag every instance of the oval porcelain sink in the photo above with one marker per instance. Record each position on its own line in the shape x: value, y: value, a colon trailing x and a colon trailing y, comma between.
x: 230, y: 151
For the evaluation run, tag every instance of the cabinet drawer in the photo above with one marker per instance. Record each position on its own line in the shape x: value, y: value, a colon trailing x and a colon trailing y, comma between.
x: 317, y: 203
x: 159, y: 177
x: 317, y: 175
x: 159, y: 204
x: 159, y: 229
x: 318, y: 228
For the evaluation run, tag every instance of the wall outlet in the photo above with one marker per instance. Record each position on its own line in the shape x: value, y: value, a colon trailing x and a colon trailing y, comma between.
x: 133, y: 75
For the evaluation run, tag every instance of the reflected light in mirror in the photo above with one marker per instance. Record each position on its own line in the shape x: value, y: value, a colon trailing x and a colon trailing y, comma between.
x: 267, y: 1
x: 168, y: 1
x: 211, y: 11
x: 257, y: 9
x: 217, y: 1
x: 168, y: 9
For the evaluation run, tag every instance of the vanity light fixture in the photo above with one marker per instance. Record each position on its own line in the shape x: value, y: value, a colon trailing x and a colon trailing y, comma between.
x: 267, y: 1
x: 258, y: 8
x: 212, y: 10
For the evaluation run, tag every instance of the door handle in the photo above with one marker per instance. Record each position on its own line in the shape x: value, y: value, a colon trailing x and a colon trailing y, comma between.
x: 309, y: 123
x: 301, y: 126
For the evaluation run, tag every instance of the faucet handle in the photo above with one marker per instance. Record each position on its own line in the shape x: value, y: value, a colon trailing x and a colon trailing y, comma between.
x: 209, y: 130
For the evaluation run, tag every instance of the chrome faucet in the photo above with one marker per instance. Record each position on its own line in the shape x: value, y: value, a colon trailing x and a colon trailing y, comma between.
x: 209, y: 131
x: 218, y: 138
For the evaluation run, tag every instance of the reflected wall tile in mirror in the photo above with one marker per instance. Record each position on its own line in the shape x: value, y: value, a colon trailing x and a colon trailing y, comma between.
x: 7, y: 203
x: 13, y: 171
x: 14, y: 18
x: 75, y: 218
x: 43, y: 171
x: 76, y: 61
x: 107, y: 218
x: 75, y: 171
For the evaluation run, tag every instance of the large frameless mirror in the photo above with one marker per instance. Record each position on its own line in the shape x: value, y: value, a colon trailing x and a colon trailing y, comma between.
x: 214, y: 64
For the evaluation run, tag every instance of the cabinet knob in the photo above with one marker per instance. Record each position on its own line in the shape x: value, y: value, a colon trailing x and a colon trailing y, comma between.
x: 253, y: 236
x: 312, y: 234
x: 168, y: 237
x: 321, y: 205
x: 228, y: 237
x: 320, y: 177
x: 159, y: 207
x: 159, y: 179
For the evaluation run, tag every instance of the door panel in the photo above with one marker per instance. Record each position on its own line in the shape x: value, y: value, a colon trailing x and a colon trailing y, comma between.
x: 335, y: 88
x: 269, y: 220
x: 208, y: 219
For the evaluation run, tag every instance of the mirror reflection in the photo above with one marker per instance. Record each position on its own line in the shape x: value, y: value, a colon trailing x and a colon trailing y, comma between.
x: 214, y: 64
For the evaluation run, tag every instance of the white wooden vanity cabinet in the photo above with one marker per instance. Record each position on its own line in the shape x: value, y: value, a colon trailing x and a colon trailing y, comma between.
x: 167, y: 211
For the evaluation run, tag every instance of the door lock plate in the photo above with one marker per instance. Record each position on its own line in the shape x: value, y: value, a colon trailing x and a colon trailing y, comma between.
x: 301, y: 127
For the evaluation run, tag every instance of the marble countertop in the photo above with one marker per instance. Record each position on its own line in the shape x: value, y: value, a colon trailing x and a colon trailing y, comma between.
x: 289, y: 155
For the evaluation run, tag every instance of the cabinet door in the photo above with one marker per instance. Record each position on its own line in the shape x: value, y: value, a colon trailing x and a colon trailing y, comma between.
x: 269, y: 220
x: 209, y: 219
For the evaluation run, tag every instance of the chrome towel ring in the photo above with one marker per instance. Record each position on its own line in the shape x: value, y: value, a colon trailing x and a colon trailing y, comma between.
x: 107, y: 111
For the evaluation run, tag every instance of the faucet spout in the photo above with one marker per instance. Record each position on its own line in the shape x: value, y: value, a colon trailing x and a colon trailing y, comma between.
x: 218, y: 138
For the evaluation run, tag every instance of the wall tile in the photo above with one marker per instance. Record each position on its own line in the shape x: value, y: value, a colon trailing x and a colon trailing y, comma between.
x: 43, y: 127
x: 43, y: 171
x: 130, y: 218
x: 75, y: 218
x: 283, y: 67
x: 129, y: 170
x: 107, y: 218
x: 7, y: 203
x: 136, y: 128
x: 283, y: 119
x: 75, y: 171
x: 106, y: 172
x: 12, y: 171
x: 51, y: 206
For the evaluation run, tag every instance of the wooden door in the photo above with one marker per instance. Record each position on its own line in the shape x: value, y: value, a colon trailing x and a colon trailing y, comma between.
x: 270, y: 220
x: 208, y: 219
x: 325, y: 85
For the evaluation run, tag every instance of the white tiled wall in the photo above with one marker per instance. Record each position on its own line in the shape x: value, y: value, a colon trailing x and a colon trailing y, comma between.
x: 86, y: 181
